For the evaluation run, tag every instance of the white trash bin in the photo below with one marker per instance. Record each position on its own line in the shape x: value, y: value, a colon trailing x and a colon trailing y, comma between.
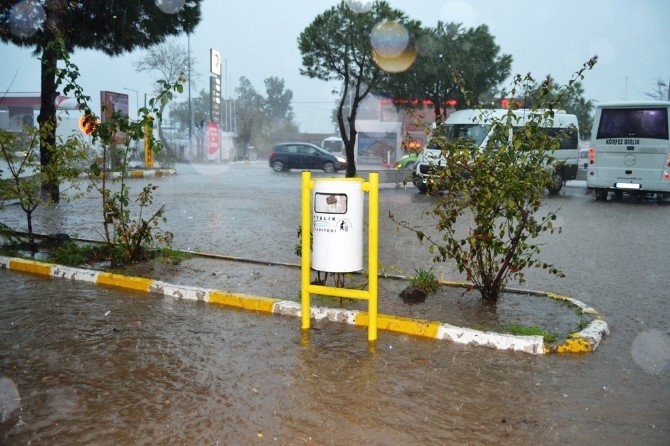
x: 337, y: 225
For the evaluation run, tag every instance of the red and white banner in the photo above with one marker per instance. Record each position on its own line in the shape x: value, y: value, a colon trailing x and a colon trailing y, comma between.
x: 213, y: 141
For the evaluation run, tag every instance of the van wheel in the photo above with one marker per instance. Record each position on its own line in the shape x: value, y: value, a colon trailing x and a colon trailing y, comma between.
x: 556, y: 183
x: 328, y: 167
x: 423, y: 188
x: 600, y: 194
x: 278, y: 166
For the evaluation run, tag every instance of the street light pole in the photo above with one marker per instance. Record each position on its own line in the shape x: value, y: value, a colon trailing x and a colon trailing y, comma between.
x: 190, y: 108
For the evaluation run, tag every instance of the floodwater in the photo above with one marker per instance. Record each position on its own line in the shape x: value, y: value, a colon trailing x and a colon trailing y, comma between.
x: 86, y: 364
x: 207, y: 361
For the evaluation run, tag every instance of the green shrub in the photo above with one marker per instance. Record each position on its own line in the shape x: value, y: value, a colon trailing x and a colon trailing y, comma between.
x: 71, y: 254
x: 425, y: 280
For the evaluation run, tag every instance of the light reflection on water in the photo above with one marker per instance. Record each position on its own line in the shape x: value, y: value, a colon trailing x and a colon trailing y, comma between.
x: 157, y: 370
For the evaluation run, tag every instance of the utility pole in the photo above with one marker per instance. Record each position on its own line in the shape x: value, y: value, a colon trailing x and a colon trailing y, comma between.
x: 190, y: 108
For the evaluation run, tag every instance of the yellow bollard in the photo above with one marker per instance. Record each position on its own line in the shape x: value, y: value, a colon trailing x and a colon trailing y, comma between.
x: 373, y: 253
x: 306, y: 228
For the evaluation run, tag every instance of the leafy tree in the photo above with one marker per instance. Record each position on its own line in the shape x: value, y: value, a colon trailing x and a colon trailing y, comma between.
x: 336, y: 46
x: 662, y: 91
x: 20, y: 151
x: 571, y: 100
x: 448, y: 52
x: 261, y: 118
x: 169, y: 60
x: 128, y: 237
x: 249, y: 117
x: 112, y: 27
x: 179, y: 110
x: 489, y: 221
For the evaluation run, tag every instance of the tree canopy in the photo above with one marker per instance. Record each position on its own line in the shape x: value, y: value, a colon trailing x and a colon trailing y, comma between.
x: 261, y: 118
x: 571, y: 100
x: 447, y: 54
x: 112, y: 27
x: 338, y: 45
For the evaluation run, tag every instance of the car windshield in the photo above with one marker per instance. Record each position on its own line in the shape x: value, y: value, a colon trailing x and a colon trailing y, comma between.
x: 476, y: 133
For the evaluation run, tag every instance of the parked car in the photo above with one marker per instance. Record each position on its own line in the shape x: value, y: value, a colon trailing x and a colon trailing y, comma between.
x: 287, y: 156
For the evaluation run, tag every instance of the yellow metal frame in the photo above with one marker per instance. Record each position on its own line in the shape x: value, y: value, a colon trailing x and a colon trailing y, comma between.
x: 372, y: 188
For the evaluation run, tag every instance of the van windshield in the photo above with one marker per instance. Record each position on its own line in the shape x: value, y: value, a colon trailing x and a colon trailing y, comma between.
x: 475, y: 132
x: 637, y: 122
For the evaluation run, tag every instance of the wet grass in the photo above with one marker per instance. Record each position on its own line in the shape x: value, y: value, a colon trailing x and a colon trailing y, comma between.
x: 425, y: 280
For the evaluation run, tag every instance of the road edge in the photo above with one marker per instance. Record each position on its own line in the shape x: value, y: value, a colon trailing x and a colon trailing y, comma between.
x: 584, y: 341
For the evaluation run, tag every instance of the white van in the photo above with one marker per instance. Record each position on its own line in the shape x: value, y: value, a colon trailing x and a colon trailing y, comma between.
x: 630, y: 150
x: 473, y: 124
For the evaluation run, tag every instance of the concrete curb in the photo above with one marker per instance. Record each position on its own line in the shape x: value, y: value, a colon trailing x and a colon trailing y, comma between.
x: 139, y: 173
x: 584, y: 341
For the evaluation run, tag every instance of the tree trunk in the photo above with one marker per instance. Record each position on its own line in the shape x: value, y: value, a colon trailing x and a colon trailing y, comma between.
x: 47, y: 121
x: 161, y: 135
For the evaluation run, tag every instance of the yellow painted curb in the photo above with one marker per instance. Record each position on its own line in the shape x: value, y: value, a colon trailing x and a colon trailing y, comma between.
x: 31, y: 266
x: 399, y: 324
x: 255, y: 303
x: 119, y: 281
x: 136, y: 174
x: 574, y: 344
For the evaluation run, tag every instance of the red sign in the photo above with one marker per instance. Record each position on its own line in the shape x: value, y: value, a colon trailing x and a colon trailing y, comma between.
x: 111, y: 102
x: 213, y: 140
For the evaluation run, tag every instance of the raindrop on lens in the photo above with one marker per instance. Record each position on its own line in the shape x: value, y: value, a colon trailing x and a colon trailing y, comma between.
x: 396, y: 64
x: 389, y: 39
x: 9, y: 398
x: 25, y: 18
x: 360, y: 6
x: 170, y: 6
x: 651, y: 351
x: 427, y: 46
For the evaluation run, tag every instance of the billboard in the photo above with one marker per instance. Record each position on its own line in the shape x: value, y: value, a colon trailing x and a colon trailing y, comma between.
x: 214, y: 62
x: 111, y: 102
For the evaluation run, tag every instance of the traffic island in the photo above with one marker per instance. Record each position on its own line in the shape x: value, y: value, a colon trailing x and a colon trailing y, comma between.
x: 584, y: 341
x: 137, y: 173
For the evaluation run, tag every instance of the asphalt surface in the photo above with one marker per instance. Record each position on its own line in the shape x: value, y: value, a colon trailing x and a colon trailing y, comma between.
x: 614, y: 255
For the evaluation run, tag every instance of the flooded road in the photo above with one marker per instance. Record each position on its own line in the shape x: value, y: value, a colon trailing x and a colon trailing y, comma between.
x: 83, y: 364
x: 206, y: 362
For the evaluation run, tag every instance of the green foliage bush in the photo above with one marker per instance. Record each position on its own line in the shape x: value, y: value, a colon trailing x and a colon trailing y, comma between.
x: 425, y: 280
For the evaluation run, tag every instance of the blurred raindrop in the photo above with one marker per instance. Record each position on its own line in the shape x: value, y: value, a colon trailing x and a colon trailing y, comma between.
x: 604, y: 49
x: 396, y: 64
x: 426, y: 45
x: 359, y: 6
x: 651, y: 351
x: 170, y: 6
x: 376, y: 107
x: 9, y: 398
x: 486, y: 98
x: 389, y: 39
x: 459, y: 12
x: 25, y: 18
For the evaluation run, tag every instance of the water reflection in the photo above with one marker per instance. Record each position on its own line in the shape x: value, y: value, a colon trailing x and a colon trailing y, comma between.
x: 95, y: 365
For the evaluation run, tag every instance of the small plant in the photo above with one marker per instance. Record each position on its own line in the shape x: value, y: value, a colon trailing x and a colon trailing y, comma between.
x: 582, y: 323
x: 425, y: 280
x: 533, y: 330
x: 172, y: 256
x: 71, y: 254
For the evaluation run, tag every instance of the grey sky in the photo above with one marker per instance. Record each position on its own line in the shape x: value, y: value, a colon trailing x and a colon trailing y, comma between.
x: 258, y: 38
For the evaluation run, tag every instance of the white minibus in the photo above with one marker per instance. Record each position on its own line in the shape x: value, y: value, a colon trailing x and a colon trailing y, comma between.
x: 630, y: 150
x: 475, y: 125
